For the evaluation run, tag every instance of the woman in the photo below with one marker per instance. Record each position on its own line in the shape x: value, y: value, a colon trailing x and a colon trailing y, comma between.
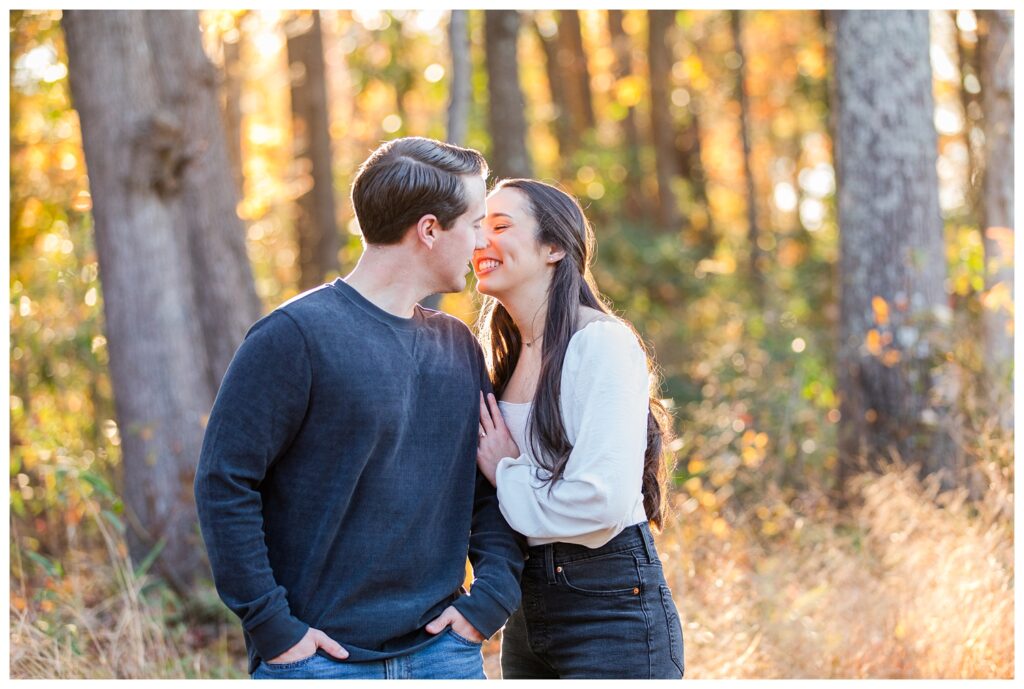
x: 574, y: 448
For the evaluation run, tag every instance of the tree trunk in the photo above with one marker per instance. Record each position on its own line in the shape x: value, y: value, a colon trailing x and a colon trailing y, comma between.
x: 623, y: 69
x: 177, y: 287
x: 233, y: 107
x: 756, y: 266
x: 565, y: 131
x: 572, y: 60
x: 967, y: 67
x: 461, y: 77
x: 827, y: 21
x: 315, y: 221
x: 399, y: 73
x: 894, y: 316
x: 224, y: 292
x: 691, y: 164
x: 662, y: 127
x: 995, y: 49
x: 459, y: 97
x: 509, y: 156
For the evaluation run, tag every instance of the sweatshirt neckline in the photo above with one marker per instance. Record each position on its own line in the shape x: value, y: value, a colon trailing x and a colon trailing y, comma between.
x: 374, y: 311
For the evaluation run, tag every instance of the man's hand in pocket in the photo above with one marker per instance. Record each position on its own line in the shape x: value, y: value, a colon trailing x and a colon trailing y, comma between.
x: 459, y: 624
x: 307, y: 647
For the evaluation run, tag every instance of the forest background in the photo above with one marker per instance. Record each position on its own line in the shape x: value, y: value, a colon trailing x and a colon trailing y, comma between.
x: 808, y: 216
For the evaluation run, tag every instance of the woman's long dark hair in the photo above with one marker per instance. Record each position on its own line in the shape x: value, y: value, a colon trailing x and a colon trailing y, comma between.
x: 561, y: 222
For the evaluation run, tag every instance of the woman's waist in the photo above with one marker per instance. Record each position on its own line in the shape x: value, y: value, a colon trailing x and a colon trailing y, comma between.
x: 572, y: 531
x: 636, y: 536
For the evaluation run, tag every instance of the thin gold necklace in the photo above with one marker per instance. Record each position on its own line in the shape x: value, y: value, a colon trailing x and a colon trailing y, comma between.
x: 530, y: 343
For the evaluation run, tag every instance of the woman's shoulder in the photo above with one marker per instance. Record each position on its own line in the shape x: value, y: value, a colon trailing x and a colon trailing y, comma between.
x: 588, y: 315
x: 602, y: 335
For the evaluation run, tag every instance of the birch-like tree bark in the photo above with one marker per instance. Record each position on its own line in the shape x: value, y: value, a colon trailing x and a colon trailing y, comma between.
x: 895, y: 320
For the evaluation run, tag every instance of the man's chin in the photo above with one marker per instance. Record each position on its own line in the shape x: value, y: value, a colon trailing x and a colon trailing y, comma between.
x: 457, y: 285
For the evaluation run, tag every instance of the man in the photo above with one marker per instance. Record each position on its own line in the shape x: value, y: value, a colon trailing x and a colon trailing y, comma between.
x: 337, y: 487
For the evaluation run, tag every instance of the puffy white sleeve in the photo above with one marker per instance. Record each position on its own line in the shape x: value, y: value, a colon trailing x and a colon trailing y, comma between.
x: 604, y: 407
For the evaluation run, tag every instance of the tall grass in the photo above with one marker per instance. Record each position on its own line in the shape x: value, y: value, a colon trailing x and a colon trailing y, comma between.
x: 904, y: 583
x: 907, y: 584
x: 97, y: 615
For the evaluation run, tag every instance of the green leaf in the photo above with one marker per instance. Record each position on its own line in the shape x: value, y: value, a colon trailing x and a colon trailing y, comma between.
x: 147, y: 562
x: 48, y: 566
x: 114, y: 520
x: 98, y: 483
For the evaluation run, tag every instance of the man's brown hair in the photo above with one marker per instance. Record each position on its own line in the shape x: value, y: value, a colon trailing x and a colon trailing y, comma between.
x: 407, y: 178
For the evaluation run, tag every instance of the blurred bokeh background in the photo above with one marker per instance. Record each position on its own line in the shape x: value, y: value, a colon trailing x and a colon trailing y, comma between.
x: 807, y: 215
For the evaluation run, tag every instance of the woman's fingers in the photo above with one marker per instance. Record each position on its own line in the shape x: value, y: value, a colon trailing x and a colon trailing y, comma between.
x: 485, y: 416
x: 496, y: 417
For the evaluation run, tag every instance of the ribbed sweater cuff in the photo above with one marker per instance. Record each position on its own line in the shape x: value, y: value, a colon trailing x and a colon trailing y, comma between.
x: 277, y: 634
x: 483, y: 611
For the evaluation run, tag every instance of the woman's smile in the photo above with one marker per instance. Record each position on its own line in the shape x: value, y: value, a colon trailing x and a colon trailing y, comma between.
x: 485, y: 264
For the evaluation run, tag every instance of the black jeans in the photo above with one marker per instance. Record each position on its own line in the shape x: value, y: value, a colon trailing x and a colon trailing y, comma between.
x: 595, y: 613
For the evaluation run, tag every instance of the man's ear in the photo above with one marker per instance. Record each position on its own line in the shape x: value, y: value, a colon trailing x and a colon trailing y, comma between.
x: 427, y: 229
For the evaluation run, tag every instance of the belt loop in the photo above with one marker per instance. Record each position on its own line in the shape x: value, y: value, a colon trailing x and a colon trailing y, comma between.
x: 648, y: 539
x: 549, y: 562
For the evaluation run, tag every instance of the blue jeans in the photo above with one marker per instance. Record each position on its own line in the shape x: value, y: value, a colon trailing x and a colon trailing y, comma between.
x: 449, y: 657
x: 603, y: 613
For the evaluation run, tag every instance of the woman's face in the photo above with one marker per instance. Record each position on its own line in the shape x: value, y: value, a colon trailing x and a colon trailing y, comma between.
x: 511, y: 257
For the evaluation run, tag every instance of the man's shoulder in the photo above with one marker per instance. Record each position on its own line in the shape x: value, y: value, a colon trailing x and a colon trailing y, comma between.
x: 315, y: 307
x: 309, y: 302
x: 297, y: 313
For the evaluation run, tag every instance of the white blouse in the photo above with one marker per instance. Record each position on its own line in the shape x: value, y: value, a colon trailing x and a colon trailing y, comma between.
x: 604, y: 403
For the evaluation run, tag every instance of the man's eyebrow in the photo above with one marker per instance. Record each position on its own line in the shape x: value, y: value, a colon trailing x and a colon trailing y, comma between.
x: 479, y: 219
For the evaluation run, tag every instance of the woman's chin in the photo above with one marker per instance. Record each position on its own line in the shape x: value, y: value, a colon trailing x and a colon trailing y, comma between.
x: 484, y: 288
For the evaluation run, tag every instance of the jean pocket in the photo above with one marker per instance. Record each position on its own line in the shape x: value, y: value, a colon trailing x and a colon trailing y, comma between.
x: 291, y: 665
x: 463, y: 640
x: 675, y: 629
x: 607, y: 575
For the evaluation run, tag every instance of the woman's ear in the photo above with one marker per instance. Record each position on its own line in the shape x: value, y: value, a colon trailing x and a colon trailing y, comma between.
x: 555, y: 254
x: 427, y: 228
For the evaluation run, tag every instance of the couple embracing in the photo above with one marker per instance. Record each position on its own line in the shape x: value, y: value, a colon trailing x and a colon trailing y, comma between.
x: 361, y: 446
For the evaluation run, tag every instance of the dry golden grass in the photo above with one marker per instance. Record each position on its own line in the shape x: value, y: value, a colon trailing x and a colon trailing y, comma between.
x: 906, y: 585
x: 903, y: 584
x: 100, y: 620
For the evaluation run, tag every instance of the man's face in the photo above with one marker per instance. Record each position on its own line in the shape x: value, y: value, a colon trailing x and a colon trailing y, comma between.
x: 455, y: 245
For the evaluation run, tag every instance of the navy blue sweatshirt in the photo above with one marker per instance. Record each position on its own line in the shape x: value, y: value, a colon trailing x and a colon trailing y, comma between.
x: 337, y: 486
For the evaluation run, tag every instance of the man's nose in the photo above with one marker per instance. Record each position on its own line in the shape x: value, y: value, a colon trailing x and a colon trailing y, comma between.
x: 481, y: 239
